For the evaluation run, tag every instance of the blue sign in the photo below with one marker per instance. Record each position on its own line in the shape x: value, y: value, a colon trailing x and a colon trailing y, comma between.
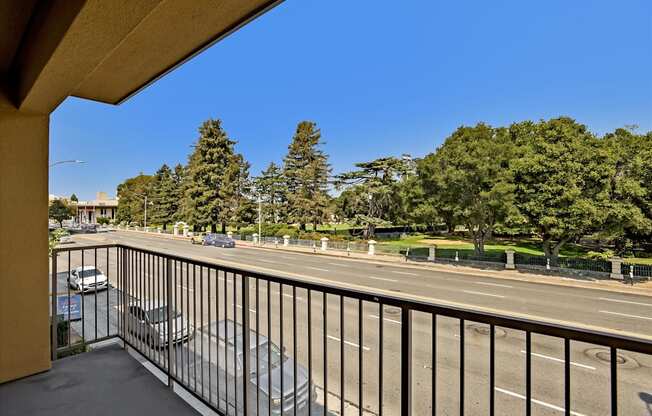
x: 70, y: 303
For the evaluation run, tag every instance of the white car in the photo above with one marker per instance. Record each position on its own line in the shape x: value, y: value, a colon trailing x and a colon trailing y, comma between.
x: 148, y: 320
x: 87, y: 279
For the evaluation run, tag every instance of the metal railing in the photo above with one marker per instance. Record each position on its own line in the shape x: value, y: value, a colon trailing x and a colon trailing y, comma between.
x: 249, y: 343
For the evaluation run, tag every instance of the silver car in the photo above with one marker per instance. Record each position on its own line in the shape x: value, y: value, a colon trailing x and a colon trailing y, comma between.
x: 87, y: 279
x: 148, y: 320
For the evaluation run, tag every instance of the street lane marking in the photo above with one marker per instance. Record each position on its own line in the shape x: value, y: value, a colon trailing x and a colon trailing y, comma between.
x: 268, y: 261
x: 250, y: 310
x: 493, y: 284
x: 381, y: 278
x: 317, y: 268
x: 627, y: 301
x: 547, y: 357
x: 472, y: 292
x: 352, y: 344
x: 627, y: 315
x: 405, y: 273
x: 185, y: 288
x: 539, y: 402
x: 394, y: 321
x: 339, y: 265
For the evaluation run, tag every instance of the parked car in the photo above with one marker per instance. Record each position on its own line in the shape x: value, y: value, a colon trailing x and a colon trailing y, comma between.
x: 87, y: 279
x: 148, y: 320
x: 218, y: 240
x: 64, y: 237
x: 88, y: 228
x: 197, y: 238
x: 230, y: 346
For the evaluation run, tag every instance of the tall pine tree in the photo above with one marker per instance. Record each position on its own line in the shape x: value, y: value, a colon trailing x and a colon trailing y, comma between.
x: 271, y: 189
x: 165, y: 197
x: 306, y: 170
x: 211, y: 183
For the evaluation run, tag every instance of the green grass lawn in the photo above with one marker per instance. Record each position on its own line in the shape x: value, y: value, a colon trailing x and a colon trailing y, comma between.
x: 531, y: 247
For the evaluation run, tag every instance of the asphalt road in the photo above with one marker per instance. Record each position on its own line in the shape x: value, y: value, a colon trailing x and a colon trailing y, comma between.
x: 587, y: 307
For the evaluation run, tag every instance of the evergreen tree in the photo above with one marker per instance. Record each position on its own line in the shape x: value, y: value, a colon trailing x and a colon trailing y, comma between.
x: 165, y: 197
x: 73, y: 198
x: 178, y: 177
x: 271, y: 189
x: 211, y: 184
x: 306, y: 171
x: 131, y: 198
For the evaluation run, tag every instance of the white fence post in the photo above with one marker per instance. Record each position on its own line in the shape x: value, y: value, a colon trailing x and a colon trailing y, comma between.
x: 372, y: 247
x: 185, y: 230
x: 431, y: 253
x: 229, y: 234
x: 324, y: 243
x: 510, y: 259
x: 254, y: 237
x: 616, y: 268
x: 176, y: 229
x: 286, y: 240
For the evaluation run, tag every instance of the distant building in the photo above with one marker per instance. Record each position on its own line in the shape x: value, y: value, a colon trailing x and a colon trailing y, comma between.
x: 102, y: 206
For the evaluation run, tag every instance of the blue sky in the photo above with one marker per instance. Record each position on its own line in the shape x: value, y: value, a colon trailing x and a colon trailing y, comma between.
x: 379, y: 77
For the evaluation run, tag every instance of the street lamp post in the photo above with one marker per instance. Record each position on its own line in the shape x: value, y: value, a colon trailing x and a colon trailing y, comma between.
x: 60, y: 162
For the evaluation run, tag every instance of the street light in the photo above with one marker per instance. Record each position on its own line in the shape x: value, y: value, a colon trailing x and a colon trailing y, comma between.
x: 60, y: 162
x: 150, y: 203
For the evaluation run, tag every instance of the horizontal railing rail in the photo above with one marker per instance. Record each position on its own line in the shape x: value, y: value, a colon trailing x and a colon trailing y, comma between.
x: 246, y: 342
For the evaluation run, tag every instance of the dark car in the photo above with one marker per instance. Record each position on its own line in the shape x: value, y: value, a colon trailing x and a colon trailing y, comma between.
x: 218, y: 240
x: 88, y: 228
x: 227, y: 350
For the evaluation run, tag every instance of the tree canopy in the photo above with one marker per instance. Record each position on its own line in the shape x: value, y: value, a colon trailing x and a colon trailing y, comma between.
x: 59, y: 210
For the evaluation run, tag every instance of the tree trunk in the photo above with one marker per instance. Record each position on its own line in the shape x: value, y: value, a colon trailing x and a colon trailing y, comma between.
x: 302, y: 227
x: 213, y: 228
x: 165, y: 226
x: 223, y: 228
x: 371, y: 231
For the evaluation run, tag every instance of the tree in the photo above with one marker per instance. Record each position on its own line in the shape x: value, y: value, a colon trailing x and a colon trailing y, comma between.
x: 371, y: 190
x: 165, y: 196
x: 131, y: 198
x: 630, y: 188
x: 59, y: 211
x: 306, y: 171
x: 271, y: 189
x: 468, y: 180
x: 242, y: 209
x: 211, y: 178
x: 561, y: 175
x: 73, y: 198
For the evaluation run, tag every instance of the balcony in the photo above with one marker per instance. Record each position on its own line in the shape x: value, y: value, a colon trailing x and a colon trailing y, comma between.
x: 325, y: 349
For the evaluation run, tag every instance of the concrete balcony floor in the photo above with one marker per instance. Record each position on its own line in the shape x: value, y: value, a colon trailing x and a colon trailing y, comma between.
x: 105, y: 381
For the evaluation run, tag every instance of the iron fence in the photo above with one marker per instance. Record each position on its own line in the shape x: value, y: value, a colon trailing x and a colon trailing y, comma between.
x: 636, y: 270
x: 248, y: 343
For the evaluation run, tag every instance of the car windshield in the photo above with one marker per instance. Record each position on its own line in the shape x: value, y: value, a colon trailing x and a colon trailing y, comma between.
x: 160, y: 314
x: 275, y: 357
x: 89, y: 273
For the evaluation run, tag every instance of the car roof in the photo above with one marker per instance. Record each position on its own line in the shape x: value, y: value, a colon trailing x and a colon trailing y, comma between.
x: 148, y: 305
x: 228, y: 334
x: 80, y: 268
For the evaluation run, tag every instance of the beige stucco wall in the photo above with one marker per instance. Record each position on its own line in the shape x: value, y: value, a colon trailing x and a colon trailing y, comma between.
x: 24, y: 302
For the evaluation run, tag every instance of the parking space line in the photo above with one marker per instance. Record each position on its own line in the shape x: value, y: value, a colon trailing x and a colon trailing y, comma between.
x: 539, y: 402
x: 380, y: 278
x: 493, y: 284
x: 547, y: 357
x: 352, y: 344
x: 317, y: 268
x: 627, y: 315
x: 250, y: 310
x: 627, y: 301
x: 394, y: 321
x: 473, y: 292
x: 405, y: 273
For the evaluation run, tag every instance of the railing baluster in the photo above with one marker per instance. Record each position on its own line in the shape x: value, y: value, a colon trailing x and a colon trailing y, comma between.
x: 567, y: 391
x: 246, y: 344
x: 280, y: 298
x: 95, y: 291
x: 83, y: 308
x: 406, y: 361
x: 325, y: 347
x: 208, y: 301
x: 194, y: 323
x: 433, y: 364
x: 235, y: 343
x: 68, y: 293
x: 462, y: 367
x: 188, y: 321
x: 226, y: 345
x: 269, y: 348
x: 528, y: 373
x: 217, y: 336
x: 492, y: 369
x: 614, y: 381
x: 360, y: 358
x: 108, y: 289
x: 381, y: 345
x: 342, y: 391
x: 294, y: 341
x: 309, y: 352
x: 257, y: 347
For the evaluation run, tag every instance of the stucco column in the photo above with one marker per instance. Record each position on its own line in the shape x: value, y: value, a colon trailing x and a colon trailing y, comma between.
x: 255, y: 238
x: 510, y: 259
x: 616, y: 268
x: 286, y: 240
x: 175, y: 229
x: 229, y: 234
x: 324, y: 243
x: 372, y: 247
x: 24, y: 276
x: 431, y: 253
x: 185, y: 230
